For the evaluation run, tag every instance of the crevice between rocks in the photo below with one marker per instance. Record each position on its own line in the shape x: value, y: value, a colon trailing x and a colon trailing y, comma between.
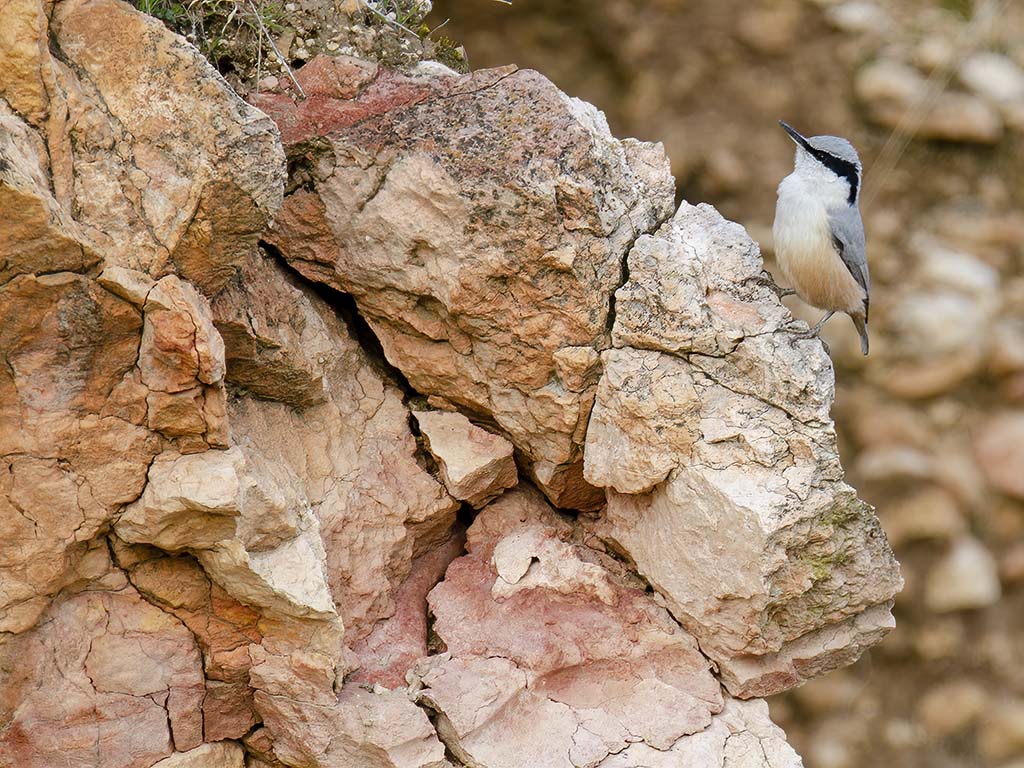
x: 346, y: 309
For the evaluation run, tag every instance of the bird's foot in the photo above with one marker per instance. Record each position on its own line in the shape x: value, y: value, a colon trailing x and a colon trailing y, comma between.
x: 783, y: 292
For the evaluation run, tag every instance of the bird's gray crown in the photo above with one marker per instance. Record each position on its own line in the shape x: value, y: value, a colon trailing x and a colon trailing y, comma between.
x: 836, y: 154
x: 837, y: 147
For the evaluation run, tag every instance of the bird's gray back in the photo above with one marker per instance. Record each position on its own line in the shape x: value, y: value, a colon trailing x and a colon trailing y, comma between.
x: 848, y: 235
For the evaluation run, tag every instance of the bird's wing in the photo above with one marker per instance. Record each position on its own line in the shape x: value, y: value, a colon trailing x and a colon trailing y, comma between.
x: 848, y: 236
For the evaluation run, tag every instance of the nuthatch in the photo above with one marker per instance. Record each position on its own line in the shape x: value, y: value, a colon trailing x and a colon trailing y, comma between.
x: 819, y: 235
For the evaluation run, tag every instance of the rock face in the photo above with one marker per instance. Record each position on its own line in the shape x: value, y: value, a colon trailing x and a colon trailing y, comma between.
x: 474, y: 465
x: 225, y: 542
x: 485, y: 270
x: 711, y: 431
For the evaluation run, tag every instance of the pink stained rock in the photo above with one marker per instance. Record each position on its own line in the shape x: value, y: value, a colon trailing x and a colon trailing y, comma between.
x: 551, y: 649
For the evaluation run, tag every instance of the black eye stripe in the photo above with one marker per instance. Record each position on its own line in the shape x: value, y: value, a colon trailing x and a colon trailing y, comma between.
x: 840, y: 167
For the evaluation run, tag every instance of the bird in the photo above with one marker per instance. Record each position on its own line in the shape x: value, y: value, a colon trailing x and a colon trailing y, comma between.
x: 818, y: 231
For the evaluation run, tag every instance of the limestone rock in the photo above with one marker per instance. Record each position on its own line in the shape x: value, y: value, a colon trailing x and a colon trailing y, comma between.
x: 351, y: 461
x: 217, y: 161
x: 711, y: 432
x: 474, y: 264
x: 107, y: 680
x: 475, y: 465
x: 36, y: 233
x: 189, y: 501
x: 390, y: 721
x: 68, y: 466
x: 223, y: 754
x: 399, y: 641
x: 278, y: 345
x: 741, y: 735
x: 613, y: 669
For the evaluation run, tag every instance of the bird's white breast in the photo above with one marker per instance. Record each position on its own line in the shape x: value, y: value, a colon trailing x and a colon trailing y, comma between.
x: 806, y: 253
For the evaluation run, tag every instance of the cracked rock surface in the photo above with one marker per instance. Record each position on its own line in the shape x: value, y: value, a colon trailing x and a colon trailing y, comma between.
x: 480, y: 224
x: 711, y: 432
x: 225, y: 538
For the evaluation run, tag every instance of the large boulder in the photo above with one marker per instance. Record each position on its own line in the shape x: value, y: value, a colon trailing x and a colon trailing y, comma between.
x: 480, y: 223
x: 712, y: 435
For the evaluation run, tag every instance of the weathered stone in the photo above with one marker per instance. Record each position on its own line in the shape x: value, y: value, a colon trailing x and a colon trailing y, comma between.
x: 390, y: 721
x: 277, y: 342
x: 474, y: 264
x: 613, y: 669
x: 107, y: 680
x: 476, y: 466
x: 36, y: 233
x: 67, y: 470
x: 224, y: 754
x: 162, y: 162
x: 398, y: 642
x: 190, y: 502
x: 711, y: 431
x: 352, y: 460
x: 741, y: 735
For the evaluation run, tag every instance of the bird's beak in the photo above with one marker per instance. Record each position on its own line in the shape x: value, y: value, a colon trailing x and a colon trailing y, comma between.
x: 795, y: 135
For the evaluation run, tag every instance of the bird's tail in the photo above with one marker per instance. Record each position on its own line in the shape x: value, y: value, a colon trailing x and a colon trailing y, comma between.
x: 862, y: 328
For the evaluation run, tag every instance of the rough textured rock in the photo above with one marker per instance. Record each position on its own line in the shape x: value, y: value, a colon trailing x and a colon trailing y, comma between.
x: 485, y: 272
x: 105, y: 680
x: 475, y: 465
x: 711, y: 431
x: 352, y: 461
x: 224, y: 754
x: 609, y: 677
x: 221, y: 535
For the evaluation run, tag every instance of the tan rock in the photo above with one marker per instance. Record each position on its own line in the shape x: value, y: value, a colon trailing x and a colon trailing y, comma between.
x: 168, y: 162
x: 23, y: 56
x: 712, y: 434
x: 107, y: 669
x: 399, y: 641
x: 129, y: 284
x: 390, y: 721
x: 36, y: 233
x: 223, y: 754
x: 511, y: 691
x: 473, y: 266
x: 68, y: 345
x: 742, y: 735
x: 277, y: 342
x: 190, y: 501
x: 476, y: 466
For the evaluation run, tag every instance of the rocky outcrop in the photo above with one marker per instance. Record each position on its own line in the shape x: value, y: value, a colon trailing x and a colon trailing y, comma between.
x: 711, y: 431
x: 230, y: 537
x: 483, y: 257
